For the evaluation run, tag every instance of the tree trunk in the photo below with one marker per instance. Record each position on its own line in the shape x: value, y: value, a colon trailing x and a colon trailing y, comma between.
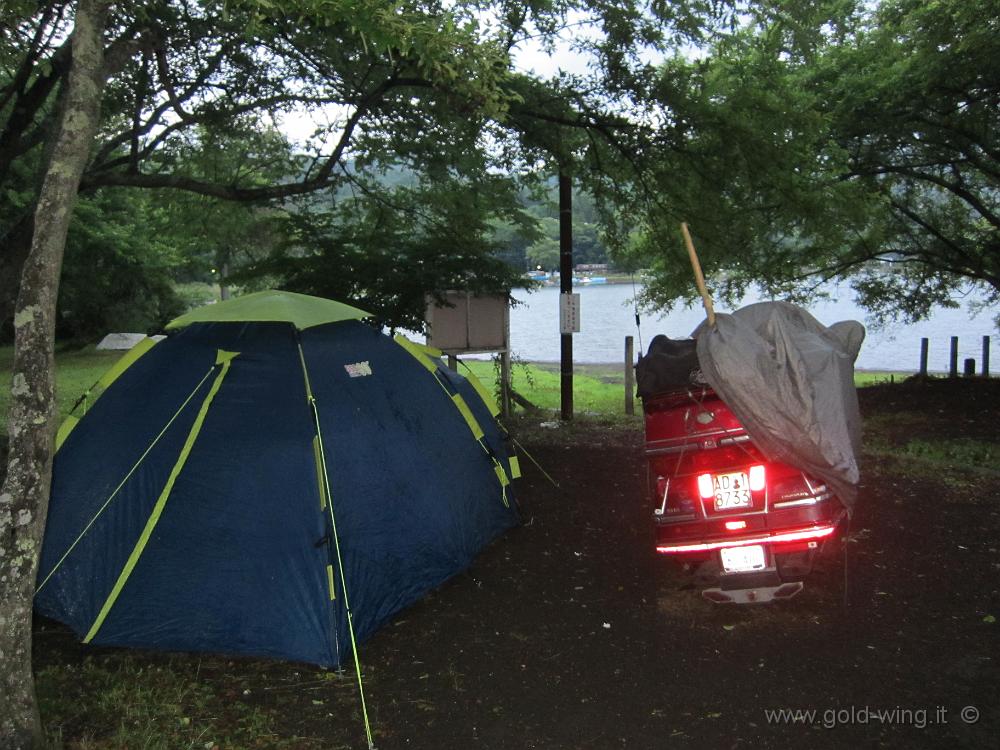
x: 24, y: 496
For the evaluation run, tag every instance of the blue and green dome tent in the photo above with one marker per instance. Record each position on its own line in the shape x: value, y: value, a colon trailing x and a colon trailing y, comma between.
x: 275, y: 478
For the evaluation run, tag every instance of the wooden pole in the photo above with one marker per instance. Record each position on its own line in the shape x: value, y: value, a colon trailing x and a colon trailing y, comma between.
x: 505, y: 370
x: 986, y: 356
x: 629, y: 376
x: 566, y: 287
x: 505, y: 389
x: 953, y: 358
x: 699, y: 279
x: 924, y: 347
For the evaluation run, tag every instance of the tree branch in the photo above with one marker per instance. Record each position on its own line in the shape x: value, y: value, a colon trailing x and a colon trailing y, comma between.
x: 163, y: 71
x: 155, y: 116
x: 28, y: 64
x: 203, y: 187
x: 970, y: 260
x: 27, y: 107
x: 956, y: 189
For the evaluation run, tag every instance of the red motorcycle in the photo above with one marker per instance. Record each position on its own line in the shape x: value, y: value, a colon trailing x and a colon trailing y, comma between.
x: 749, y: 529
x: 749, y: 526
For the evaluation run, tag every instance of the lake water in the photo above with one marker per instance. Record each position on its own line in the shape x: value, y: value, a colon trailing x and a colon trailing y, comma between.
x: 607, y: 317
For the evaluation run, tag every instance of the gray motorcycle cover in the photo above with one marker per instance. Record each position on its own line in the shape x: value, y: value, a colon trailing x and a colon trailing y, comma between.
x: 790, y: 380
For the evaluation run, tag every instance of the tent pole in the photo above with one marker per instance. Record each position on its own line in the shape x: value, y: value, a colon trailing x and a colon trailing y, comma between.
x: 336, y: 542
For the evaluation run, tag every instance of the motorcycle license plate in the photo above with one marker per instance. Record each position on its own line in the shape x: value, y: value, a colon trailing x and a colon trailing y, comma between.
x: 743, y: 559
x: 732, y: 490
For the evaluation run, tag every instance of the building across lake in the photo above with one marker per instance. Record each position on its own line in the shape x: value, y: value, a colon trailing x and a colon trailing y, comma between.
x: 583, y: 275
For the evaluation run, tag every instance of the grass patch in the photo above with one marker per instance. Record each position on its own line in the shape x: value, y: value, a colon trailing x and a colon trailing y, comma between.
x: 887, y: 435
x: 77, y: 370
x: 597, y: 403
x: 873, y: 377
x: 963, y: 465
x: 596, y: 388
x: 121, y: 702
x: 197, y: 294
x: 961, y: 453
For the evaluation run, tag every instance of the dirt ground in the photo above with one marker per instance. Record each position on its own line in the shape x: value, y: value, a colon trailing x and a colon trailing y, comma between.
x: 570, y: 632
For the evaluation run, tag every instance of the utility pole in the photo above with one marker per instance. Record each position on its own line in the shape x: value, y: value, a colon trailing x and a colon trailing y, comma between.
x: 565, y: 292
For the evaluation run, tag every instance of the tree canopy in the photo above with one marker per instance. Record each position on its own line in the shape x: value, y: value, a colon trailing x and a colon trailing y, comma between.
x: 826, y: 141
x: 424, y: 86
x: 190, y: 83
x: 804, y: 141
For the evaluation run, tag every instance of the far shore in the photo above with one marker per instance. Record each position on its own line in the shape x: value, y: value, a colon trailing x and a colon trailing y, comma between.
x: 618, y: 367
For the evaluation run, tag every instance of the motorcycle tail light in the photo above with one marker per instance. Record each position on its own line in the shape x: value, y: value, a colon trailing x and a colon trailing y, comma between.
x: 705, y: 487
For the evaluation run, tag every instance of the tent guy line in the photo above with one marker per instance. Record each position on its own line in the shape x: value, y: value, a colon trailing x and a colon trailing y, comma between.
x: 328, y: 502
x: 121, y: 484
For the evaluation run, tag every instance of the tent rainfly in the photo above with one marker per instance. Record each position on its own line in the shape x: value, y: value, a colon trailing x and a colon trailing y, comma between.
x: 275, y: 478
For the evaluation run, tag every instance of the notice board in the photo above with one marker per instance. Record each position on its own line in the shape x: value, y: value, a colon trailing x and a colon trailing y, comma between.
x: 469, y: 323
